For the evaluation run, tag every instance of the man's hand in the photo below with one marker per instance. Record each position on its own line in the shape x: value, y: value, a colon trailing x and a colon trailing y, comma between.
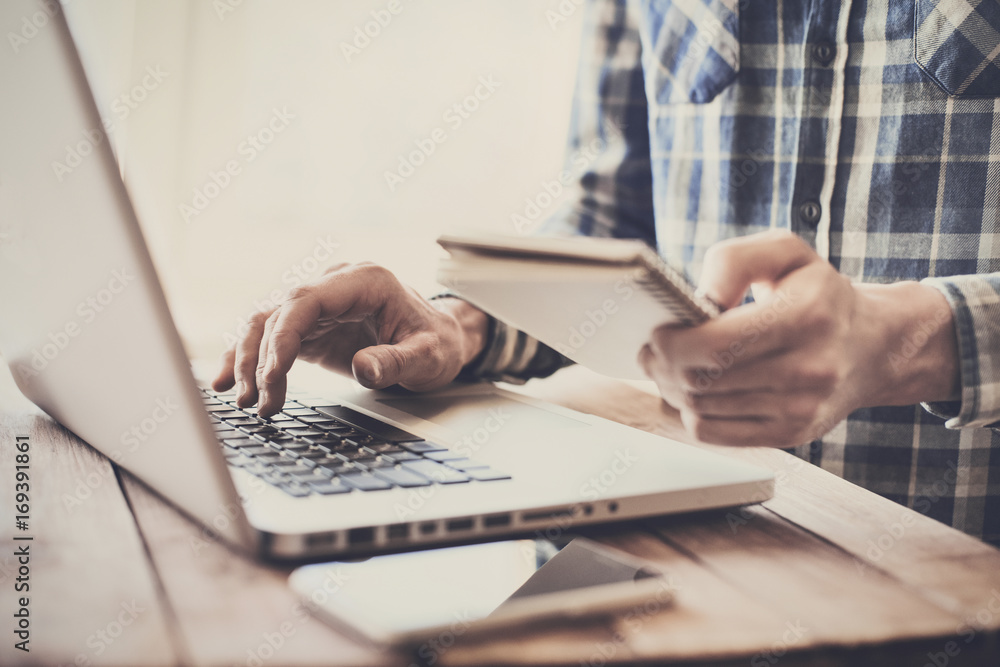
x: 811, y: 349
x: 356, y: 319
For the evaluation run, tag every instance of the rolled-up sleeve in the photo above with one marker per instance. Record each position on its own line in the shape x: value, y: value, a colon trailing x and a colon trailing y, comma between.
x: 975, y: 306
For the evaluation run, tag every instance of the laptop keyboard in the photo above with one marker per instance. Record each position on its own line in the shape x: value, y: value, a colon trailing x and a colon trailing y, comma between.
x: 315, y: 448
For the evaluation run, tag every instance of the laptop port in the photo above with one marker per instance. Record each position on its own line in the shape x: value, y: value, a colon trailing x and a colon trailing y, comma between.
x: 361, y: 535
x: 321, y: 540
x: 496, y: 521
x: 428, y: 528
x: 546, y: 516
x: 398, y: 531
x: 459, y: 524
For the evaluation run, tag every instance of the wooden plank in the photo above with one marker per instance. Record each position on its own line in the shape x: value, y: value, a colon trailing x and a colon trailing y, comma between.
x: 93, y: 596
x: 230, y: 609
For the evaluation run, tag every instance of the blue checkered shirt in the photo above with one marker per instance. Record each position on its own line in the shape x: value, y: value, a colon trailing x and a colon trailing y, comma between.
x: 868, y: 129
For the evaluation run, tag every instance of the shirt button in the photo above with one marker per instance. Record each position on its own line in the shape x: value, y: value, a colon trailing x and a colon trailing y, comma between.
x: 823, y: 53
x: 810, y: 212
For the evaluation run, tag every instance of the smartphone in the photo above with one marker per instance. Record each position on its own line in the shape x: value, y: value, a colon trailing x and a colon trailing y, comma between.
x: 409, y: 599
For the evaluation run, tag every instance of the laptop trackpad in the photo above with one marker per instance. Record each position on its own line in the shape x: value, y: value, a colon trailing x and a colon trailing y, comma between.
x: 466, y: 414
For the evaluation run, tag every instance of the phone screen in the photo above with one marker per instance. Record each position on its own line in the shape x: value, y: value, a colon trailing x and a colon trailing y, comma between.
x: 400, y: 594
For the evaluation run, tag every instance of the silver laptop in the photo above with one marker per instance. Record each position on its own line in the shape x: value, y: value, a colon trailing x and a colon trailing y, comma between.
x: 88, y: 337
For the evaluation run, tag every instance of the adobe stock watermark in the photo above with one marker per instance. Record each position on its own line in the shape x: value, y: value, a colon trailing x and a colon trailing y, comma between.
x: 454, y: 117
x: 31, y: 25
x: 794, y: 635
x: 561, y: 13
x: 593, y: 489
x: 223, y: 8
x: 432, y: 650
x: 911, y: 345
x: 104, y: 637
x: 984, y: 619
x: 593, y: 320
x: 750, y: 333
x: 296, y: 274
x: 633, y: 621
x: 531, y: 215
x: 365, y: 34
x: 893, y: 533
x: 272, y: 642
x: 121, y: 108
x: 87, y: 311
x: 467, y: 447
x: 131, y: 439
x: 247, y: 151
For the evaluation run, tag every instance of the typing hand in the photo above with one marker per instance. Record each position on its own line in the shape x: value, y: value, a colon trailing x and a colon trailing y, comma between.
x: 356, y: 319
x: 812, y: 348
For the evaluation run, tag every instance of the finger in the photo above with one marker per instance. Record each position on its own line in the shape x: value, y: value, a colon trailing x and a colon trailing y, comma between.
x: 245, y: 365
x: 226, y: 378
x: 346, y: 295
x: 735, y: 432
x: 414, y: 363
x: 739, y: 335
x: 731, y: 266
x: 753, y: 405
x: 804, y: 372
x: 262, y: 385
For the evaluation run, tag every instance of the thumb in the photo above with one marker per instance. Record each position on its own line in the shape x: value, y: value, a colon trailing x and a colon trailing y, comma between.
x: 405, y: 362
x: 733, y: 265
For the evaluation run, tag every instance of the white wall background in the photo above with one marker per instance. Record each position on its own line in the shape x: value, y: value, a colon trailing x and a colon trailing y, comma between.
x: 223, y: 69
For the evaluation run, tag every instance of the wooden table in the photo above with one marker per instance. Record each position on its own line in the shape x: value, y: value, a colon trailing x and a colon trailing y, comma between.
x: 824, y: 574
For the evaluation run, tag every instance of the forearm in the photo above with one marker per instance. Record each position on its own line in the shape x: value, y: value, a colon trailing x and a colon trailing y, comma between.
x: 919, y: 359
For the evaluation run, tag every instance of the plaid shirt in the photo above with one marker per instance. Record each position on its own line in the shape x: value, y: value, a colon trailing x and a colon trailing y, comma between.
x: 868, y: 129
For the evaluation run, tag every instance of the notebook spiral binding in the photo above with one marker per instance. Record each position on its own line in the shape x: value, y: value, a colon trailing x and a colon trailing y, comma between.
x: 673, y: 291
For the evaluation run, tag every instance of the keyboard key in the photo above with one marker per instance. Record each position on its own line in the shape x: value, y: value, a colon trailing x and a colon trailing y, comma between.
x: 365, y: 481
x: 446, y: 455
x: 314, y: 476
x: 258, y: 450
x: 260, y: 429
x: 422, y: 446
x: 245, y: 421
x: 299, y: 411
x: 293, y: 446
x: 219, y: 407
x: 465, y: 464
x: 319, y: 420
x: 384, y: 448
x: 297, y: 490
x: 366, y: 423
x: 400, y: 477
x: 243, y: 442
x: 380, y: 462
x: 330, y: 487
x: 337, y: 466
x: 435, y: 471
x: 287, y: 465
x: 399, y: 457
x: 229, y: 414
x: 486, y: 474
x: 280, y: 418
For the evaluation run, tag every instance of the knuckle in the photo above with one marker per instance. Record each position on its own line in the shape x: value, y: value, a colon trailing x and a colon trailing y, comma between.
x: 298, y: 293
x: 258, y: 318
x: 334, y: 268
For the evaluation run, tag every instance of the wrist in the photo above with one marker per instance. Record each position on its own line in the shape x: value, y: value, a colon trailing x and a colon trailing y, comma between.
x: 916, y: 359
x: 472, y: 323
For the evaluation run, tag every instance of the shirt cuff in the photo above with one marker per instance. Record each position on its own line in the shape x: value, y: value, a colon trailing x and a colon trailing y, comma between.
x: 975, y: 307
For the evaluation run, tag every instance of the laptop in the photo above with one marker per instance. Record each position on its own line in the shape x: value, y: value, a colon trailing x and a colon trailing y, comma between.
x: 88, y: 337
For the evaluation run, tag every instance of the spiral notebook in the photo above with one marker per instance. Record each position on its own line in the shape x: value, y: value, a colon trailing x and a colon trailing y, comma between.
x: 595, y: 300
